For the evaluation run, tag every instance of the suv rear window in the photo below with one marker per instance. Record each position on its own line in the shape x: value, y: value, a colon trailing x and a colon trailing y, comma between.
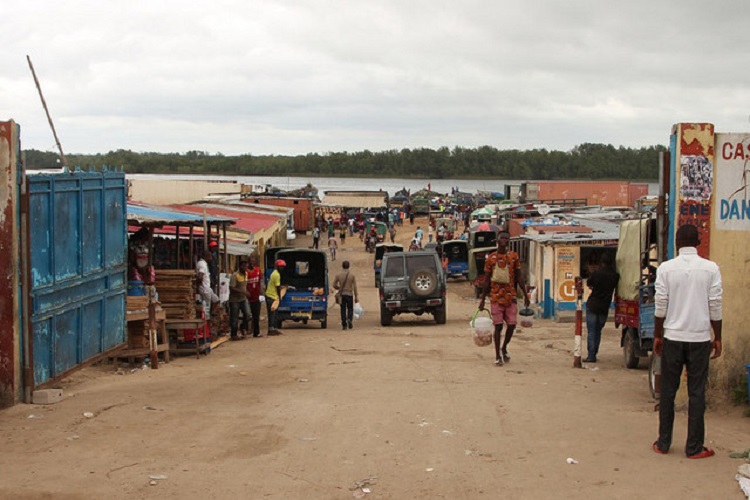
x: 416, y: 263
x: 394, y: 267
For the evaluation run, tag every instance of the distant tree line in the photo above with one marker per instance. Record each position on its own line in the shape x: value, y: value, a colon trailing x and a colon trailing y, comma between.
x: 586, y: 161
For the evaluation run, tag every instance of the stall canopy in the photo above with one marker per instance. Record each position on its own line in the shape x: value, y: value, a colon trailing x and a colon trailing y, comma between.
x: 156, y: 216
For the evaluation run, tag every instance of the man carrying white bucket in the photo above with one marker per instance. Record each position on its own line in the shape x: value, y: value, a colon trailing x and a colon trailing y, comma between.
x: 502, y: 271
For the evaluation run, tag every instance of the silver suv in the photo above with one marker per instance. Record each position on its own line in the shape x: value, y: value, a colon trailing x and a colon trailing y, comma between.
x: 412, y: 282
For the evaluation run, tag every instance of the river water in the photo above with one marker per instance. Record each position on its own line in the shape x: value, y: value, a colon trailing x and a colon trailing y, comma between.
x: 388, y: 184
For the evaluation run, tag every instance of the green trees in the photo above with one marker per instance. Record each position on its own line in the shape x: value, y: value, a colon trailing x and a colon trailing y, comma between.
x: 585, y: 161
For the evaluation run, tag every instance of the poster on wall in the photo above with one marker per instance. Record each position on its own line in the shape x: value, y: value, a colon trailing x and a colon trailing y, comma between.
x: 568, y: 267
x: 732, y: 205
x: 697, y: 178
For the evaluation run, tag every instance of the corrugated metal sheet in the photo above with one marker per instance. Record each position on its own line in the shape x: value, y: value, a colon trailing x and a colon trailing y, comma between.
x: 77, y: 255
x: 303, y: 208
x: 599, y: 232
x: 250, y: 222
x: 145, y: 215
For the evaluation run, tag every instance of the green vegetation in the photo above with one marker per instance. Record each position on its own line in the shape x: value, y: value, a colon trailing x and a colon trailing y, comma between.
x: 587, y: 161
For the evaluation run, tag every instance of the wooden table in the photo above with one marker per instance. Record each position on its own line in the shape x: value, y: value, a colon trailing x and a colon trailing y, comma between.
x: 177, y: 326
x: 162, y: 347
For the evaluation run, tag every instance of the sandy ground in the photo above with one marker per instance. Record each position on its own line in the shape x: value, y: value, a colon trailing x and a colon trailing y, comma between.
x: 413, y: 410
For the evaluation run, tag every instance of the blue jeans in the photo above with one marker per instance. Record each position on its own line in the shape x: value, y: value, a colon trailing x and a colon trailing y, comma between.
x: 594, y: 325
x: 234, y: 315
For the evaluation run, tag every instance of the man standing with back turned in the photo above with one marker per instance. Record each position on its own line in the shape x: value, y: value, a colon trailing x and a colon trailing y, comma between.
x: 602, y: 282
x: 688, y: 307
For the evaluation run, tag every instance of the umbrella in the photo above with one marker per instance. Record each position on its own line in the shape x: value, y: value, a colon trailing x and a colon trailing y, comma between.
x: 484, y: 211
x: 486, y: 226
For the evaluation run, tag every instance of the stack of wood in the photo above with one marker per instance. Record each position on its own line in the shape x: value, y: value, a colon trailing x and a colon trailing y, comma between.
x: 137, y: 303
x: 138, y: 335
x: 177, y: 292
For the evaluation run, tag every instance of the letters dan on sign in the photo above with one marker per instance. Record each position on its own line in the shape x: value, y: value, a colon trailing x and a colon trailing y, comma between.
x: 732, y: 204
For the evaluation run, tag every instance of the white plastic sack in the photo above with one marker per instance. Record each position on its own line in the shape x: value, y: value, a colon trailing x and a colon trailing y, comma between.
x: 358, y: 311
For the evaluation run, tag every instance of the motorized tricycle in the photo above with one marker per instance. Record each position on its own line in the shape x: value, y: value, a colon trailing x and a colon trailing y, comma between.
x: 305, y: 279
x: 457, y: 254
x: 634, y: 296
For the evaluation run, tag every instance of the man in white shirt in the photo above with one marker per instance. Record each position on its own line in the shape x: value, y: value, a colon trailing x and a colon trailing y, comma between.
x: 204, y: 282
x: 688, y: 307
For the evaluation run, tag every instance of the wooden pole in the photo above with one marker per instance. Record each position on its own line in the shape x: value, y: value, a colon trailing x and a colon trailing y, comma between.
x: 46, y: 110
x: 579, y: 323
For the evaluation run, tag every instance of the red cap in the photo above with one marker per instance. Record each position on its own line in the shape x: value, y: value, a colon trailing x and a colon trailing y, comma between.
x: 280, y: 263
x: 213, y: 243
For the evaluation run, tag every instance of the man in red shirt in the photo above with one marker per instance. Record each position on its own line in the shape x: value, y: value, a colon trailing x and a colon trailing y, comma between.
x: 502, y: 272
x: 254, y: 292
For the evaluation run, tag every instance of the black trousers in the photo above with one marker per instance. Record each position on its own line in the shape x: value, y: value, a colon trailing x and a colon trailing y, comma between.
x: 272, y: 321
x: 255, y: 313
x: 694, y: 357
x: 347, y: 309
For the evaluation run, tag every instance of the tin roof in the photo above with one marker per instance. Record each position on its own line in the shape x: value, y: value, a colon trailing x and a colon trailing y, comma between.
x: 157, y: 215
x: 597, y: 231
x: 244, y: 220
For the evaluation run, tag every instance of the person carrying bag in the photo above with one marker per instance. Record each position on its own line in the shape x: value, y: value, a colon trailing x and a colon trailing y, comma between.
x: 346, y: 295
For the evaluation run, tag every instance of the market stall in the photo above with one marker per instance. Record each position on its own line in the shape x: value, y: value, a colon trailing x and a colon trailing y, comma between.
x: 163, y: 246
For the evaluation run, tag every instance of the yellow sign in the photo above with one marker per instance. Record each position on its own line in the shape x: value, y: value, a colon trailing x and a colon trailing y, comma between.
x: 567, y: 268
x: 567, y: 291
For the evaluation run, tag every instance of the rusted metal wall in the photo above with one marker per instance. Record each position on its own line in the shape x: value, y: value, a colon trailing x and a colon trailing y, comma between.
x: 637, y: 191
x: 606, y: 193
x: 10, y: 351
x: 78, y: 263
x: 303, y: 209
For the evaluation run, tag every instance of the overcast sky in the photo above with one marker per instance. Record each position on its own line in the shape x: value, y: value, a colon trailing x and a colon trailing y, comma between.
x: 299, y: 76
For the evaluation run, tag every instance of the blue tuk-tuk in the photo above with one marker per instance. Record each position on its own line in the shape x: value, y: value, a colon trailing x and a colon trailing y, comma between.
x: 457, y: 253
x: 306, y: 280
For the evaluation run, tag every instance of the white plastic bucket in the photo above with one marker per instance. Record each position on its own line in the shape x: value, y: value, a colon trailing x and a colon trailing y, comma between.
x: 482, y: 328
x: 526, y: 317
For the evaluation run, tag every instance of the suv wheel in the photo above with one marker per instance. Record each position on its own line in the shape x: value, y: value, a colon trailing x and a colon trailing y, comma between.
x: 386, y: 318
x: 439, y: 315
x: 423, y: 282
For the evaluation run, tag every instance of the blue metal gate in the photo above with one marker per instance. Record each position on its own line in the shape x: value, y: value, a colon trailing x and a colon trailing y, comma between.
x: 77, y: 233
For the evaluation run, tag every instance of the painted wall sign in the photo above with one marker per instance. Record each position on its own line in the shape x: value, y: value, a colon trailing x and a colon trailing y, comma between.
x: 568, y: 267
x: 732, y: 205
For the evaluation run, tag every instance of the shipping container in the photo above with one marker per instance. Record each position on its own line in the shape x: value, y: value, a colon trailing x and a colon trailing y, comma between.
x: 605, y: 193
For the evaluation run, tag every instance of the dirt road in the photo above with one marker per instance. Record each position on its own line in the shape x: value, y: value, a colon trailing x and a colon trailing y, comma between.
x: 414, y: 410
